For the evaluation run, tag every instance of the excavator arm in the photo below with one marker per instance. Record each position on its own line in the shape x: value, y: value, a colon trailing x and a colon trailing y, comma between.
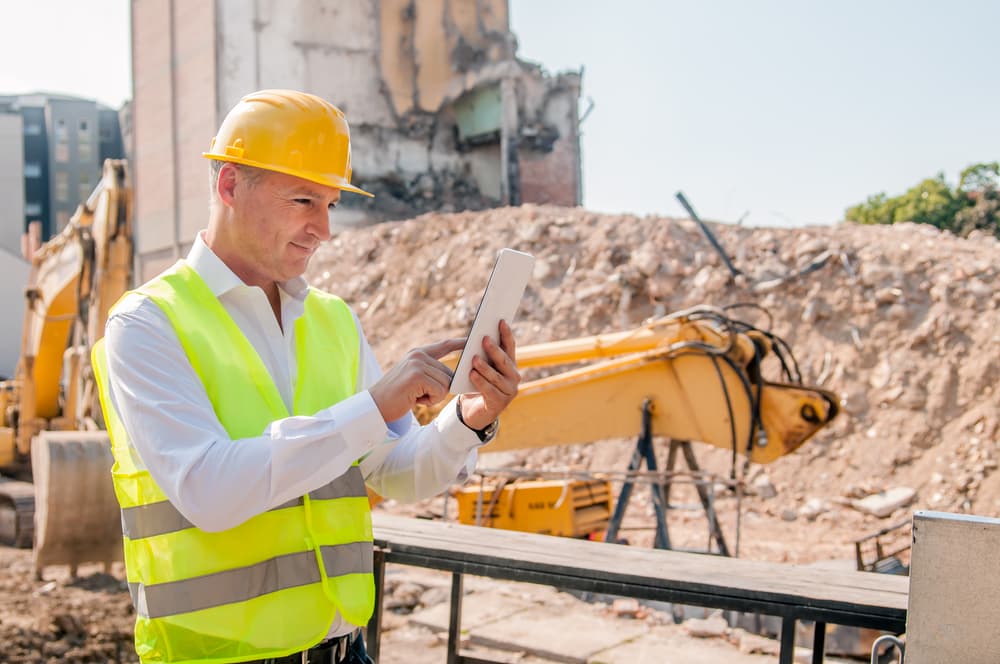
x: 699, y: 370
x: 695, y: 375
x: 51, y: 421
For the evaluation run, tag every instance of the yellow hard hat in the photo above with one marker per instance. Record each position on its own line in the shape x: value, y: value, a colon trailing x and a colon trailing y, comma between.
x: 289, y: 132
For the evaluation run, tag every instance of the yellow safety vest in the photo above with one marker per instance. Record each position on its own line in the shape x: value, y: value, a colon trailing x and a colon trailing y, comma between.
x: 272, y: 585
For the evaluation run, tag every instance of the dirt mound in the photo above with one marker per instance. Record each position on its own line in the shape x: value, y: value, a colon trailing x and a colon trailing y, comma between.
x: 89, y: 619
x: 901, y: 321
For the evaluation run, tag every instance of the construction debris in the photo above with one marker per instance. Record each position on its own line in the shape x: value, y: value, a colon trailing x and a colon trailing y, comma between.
x: 885, y: 503
x: 864, y: 309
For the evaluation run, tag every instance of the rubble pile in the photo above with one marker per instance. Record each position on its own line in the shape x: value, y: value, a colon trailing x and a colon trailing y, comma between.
x: 901, y: 321
x: 89, y: 619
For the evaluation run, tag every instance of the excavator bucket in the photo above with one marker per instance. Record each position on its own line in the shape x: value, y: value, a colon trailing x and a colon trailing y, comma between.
x: 77, y: 519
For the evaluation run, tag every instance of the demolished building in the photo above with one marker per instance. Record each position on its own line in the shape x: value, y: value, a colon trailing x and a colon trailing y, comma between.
x: 443, y: 115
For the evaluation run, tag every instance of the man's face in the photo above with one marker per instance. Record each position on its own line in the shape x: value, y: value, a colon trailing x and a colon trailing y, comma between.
x: 280, y: 221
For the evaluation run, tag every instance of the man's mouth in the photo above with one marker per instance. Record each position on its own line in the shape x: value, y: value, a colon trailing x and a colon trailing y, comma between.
x: 304, y: 247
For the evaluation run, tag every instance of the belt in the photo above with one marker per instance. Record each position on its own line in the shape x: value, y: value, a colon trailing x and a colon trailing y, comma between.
x: 331, y: 651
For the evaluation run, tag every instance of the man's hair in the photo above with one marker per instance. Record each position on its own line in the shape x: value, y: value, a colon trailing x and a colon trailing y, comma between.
x: 250, y: 175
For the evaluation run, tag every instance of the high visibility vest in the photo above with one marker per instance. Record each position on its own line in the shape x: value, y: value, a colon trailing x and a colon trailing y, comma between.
x: 272, y: 585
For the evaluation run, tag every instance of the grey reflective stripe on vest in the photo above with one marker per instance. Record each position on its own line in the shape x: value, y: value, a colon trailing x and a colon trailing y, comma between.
x: 162, y: 517
x: 245, y: 583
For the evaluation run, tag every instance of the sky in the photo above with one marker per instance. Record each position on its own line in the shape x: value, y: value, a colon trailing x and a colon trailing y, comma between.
x: 768, y: 112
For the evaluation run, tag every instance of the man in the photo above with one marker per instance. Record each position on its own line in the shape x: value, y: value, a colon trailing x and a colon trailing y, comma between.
x: 247, y: 413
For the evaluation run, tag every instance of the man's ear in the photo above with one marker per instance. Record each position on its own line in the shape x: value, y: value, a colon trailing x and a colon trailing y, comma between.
x: 225, y: 186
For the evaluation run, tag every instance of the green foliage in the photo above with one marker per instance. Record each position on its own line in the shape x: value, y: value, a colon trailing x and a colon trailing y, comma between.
x: 979, y: 177
x: 973, y: 205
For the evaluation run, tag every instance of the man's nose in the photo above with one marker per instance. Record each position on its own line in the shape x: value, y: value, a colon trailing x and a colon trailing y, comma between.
x: 319, y: 225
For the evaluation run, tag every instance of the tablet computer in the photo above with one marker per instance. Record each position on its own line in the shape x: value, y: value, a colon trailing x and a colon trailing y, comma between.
x: 500, y: 301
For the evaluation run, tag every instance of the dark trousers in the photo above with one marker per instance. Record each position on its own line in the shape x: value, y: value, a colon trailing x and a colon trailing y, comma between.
x: 356, y: 654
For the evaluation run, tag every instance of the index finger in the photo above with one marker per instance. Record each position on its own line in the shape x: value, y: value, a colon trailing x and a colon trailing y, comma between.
x: 442, y: 348
x: 507, y: 343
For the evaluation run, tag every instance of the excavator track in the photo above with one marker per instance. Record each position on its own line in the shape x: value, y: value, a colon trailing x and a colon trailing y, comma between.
x: 17, y: 513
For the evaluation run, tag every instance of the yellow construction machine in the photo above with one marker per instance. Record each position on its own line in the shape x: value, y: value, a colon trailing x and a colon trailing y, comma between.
x: 695, y: 375
x: 52, y: 433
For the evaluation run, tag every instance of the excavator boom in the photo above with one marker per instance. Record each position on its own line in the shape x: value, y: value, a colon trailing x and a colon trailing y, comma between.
x: 51, y: 421
x: 699, y: 371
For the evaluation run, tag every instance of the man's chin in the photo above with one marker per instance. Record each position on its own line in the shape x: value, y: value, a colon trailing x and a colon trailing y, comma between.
x: 295, y: 268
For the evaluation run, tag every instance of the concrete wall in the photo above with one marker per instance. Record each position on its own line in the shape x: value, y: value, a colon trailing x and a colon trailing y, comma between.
x: 15, y: 276
x: 396, y: 67
x: 953, y: 610
x: 549, y: 140
x: 173, y: 121
x: 11, y: 182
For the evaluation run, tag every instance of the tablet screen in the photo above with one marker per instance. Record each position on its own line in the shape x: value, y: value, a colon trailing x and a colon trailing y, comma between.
x: 500, y: 302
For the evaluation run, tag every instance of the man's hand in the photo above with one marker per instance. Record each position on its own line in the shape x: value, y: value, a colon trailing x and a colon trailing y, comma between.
x: 496, y: 380
x: 417, y: 379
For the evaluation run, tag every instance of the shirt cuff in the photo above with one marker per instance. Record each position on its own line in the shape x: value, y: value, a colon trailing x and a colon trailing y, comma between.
x: 455, y: 436
x: 361, y: 420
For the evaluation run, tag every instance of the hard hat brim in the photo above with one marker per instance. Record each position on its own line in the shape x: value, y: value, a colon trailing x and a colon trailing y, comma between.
x: 329, y: 180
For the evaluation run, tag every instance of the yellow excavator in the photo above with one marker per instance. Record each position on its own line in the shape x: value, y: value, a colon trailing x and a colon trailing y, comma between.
x: 700, y: 370
x: 56, y: 491
x: 694, y: 375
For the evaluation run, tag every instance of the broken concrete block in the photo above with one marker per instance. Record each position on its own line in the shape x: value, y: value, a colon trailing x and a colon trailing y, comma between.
x: 707, y: 628
x: 625, y: 607
x: 751, y: 643
x: 886, y: 502
x: 813, y: 508
x: 762, y: 487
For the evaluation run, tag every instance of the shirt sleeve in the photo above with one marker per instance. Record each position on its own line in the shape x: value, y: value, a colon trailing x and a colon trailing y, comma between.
x: 214, y: 481
x: 415, y: 462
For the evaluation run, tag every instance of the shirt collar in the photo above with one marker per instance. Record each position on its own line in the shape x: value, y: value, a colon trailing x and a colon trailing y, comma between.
x: 220, y: 279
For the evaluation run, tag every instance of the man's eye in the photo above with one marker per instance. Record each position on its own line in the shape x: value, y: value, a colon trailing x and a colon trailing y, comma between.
x: 332, y: 207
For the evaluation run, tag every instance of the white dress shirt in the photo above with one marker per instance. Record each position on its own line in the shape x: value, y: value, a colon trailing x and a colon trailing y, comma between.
x: 218, y: 483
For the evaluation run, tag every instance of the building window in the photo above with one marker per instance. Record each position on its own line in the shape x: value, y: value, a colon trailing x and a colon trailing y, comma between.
x: 32, y: 129
x: 83, y: 142
x: 62, y: 142
x: 84, y: 187
x: 62, y: 186
x: 32, y: 209
x: 32, y: 170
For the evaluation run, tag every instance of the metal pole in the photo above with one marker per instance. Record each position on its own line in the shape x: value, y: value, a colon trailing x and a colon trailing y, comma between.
x: 374, y: 629
x: 708, y: 234
x: 662, y: 539
x: 819, y: 642
x: 706, y: 503
x: 455, y: 623
x: 787, y: 654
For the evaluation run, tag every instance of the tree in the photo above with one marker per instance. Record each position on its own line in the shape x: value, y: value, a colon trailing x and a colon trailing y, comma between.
x: 979, y: 177
x: 973, y: 204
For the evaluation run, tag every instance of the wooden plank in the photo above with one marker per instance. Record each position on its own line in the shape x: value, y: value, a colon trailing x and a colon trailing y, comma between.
x: 805, y: 591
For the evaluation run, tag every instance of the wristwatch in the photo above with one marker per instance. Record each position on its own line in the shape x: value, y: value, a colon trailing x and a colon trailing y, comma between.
x: 487, y: 433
